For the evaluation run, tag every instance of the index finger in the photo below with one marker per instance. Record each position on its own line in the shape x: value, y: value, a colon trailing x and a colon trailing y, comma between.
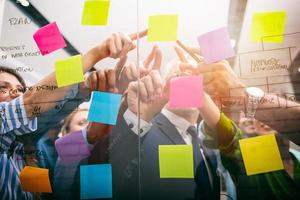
x: 180, y: 55
x: 135, y: 36
x: 119, y: 66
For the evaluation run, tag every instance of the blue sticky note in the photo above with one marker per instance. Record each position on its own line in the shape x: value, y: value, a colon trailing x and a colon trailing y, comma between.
x: 104, y: 107
x: 95, y: 181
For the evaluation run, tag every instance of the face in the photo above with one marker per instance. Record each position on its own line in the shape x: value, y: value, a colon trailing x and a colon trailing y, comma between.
x: 254, y: 127
x: 10, y: 87
x: 79, y: 121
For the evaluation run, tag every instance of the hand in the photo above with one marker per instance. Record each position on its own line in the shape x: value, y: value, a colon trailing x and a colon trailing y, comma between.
x: 119, y: 44
x: 126, y: 73
x: 152, y: 96
x: 218, y: 78
x: 101, y: 80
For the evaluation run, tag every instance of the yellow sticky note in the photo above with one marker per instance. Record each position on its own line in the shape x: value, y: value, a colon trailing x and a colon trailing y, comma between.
x: 162, y: 28
x: 69, y: 71
x: 35, y: 179
x: 95, y: 12
x: 268, y: 26
x: 261, y: 154
x: 176, y: 161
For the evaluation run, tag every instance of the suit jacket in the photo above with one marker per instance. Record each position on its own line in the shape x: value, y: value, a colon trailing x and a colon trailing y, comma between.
x: 123, y: 155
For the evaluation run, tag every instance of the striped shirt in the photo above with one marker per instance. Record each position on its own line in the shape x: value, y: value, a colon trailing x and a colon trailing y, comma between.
x: 13, y: 122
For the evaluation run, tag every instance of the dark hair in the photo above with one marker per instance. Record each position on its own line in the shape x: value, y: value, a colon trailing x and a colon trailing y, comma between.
x: 14, y: 73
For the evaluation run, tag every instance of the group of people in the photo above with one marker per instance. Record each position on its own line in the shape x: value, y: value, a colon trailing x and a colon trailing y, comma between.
x: 132, y: 145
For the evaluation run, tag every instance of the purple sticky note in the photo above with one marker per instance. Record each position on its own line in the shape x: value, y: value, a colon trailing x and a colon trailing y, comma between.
x: 48, y: 39
x: 72, y: 147
x: 186, y: 92
x: 215, y: 45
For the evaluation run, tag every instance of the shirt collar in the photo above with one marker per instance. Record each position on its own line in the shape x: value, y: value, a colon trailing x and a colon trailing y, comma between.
x: 179, y: 122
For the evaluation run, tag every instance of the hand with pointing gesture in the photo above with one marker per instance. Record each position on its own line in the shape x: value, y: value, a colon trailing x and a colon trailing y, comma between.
x: 119, y: 44
x: 128, y: 72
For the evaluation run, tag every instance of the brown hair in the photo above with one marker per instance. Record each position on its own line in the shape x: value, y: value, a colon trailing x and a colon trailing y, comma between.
x: 14, y: 73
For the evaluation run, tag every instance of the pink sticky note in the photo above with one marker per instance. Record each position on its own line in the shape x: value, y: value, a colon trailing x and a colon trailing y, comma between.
x: 72, y: 147
x: 48, y: 39
x: 215, y: 45
x: 186, y: 92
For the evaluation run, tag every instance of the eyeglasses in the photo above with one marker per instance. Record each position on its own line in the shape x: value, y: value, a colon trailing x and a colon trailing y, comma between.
x: 6, y: 87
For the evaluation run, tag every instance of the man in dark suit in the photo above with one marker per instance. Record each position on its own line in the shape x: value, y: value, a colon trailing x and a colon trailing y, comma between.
x: 136, y: 174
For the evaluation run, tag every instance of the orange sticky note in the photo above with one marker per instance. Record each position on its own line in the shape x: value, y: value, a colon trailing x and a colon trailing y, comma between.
x: 261, y: 154
x: 35, y: 179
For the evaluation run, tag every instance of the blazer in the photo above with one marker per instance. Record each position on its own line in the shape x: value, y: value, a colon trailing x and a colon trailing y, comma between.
x: 128, y: 183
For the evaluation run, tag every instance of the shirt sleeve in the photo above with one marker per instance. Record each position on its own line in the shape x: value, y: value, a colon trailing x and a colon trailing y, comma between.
x: 226, y: 135
x: 60, y: 111
x: 14, y: 118
x: 132, y: 121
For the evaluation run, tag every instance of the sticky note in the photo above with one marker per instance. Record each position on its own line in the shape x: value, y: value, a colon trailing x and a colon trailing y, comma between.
x: 48, y: 38
x: 104, y: 107
x: 95, y: 12
x: 216, y: 45
x: 261, y: 154
x: 186, y: 92
x: 268, y: 26
x: 69, y: 71
x: 176, y: 161
x: 35, y: 179
x: 162, y: 28
x: 95, y: 181
x: 72, y: 147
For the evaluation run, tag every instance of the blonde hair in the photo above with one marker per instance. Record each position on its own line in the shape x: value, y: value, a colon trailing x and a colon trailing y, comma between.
x: 65, y: 129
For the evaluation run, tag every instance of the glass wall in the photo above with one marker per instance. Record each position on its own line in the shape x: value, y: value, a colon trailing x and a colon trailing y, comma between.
x: 156, y: 99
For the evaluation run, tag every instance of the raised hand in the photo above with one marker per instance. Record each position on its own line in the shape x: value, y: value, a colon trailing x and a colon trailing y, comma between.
x: 128, y: 72
x: 104, y: 81
x: 152, y: 95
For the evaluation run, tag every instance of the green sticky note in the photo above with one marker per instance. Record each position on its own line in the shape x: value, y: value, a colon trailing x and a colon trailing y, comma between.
x: 162, y: 28
x: 69, y: 71
x: 176, y: 161
x: 261, y: 154
x: 95, y: 12
x: 268, y: 26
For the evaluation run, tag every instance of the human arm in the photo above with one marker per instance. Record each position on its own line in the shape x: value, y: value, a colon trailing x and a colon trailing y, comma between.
x: 115, y: 46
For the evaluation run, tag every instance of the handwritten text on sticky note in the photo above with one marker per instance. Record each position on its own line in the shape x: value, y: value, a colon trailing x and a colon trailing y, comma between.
x: 261, y: 154
x: 35, y: 179
x: 268, y: 26
x: 176, y: 161
x: 162, y: 28
x: 49, y: 38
